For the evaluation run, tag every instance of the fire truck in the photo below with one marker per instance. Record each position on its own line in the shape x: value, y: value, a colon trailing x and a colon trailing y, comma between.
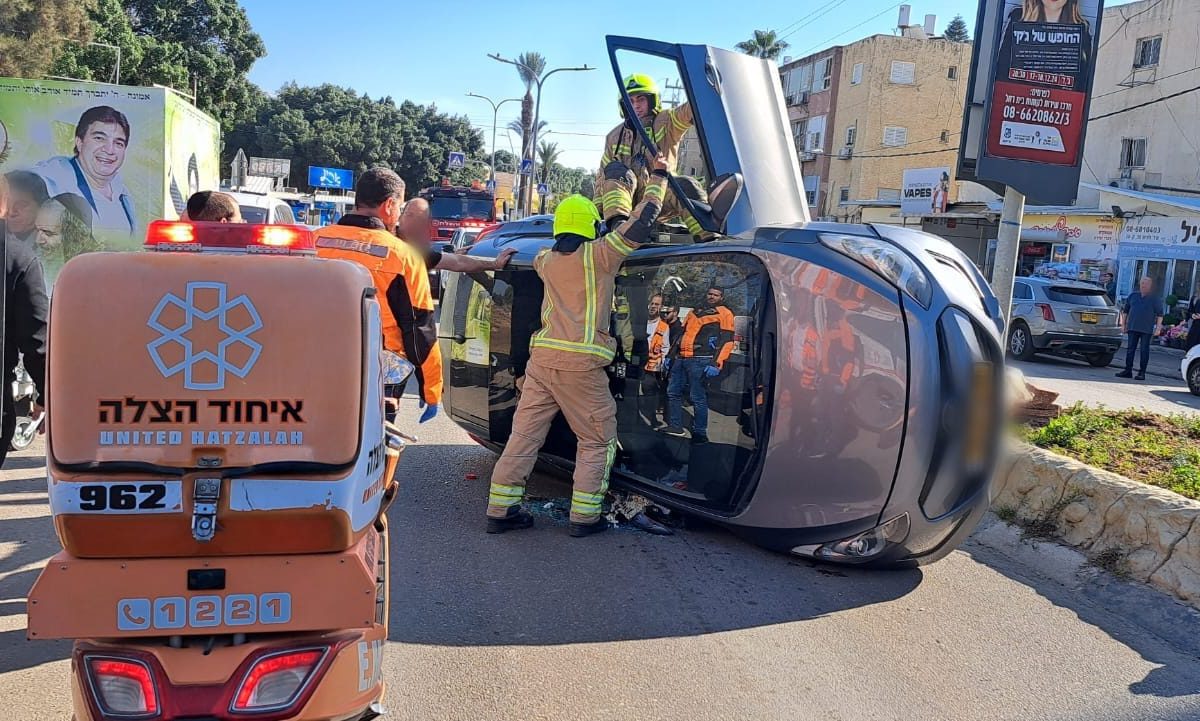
x: 452, y: 207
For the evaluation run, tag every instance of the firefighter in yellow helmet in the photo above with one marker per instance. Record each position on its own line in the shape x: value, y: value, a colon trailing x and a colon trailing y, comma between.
x: 568, y: 356
x: 626, y: 158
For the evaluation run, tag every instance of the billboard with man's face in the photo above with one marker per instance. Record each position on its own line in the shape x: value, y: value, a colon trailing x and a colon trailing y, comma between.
x: 91, y: 165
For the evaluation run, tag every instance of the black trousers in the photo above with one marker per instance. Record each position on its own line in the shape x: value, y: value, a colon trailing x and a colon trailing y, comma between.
x: 8, y: 430
x: 1136, y: 338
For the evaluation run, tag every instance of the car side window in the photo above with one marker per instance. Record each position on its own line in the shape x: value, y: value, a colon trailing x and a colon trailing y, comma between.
x: 1022, y: 291
x: 684, y: 377
x: 283, y: 214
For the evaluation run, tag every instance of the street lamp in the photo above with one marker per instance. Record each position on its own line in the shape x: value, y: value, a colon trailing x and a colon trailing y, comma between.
x: 495, y: 116
x: 537, y: 108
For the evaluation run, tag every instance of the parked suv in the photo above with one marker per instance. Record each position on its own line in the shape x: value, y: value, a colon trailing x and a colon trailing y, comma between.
x: 1063, y: 317
x: 1190, y: 367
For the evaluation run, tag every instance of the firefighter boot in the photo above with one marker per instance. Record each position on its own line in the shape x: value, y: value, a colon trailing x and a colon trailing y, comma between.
x: 581, y: 530
x: 518, y: 518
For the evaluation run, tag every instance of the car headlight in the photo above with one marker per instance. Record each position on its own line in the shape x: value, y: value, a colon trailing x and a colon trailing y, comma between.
x: 888, y: 261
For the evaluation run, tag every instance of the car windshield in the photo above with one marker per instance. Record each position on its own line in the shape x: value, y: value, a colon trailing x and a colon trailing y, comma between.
x: 1078, y: 296
x: 460, y: 208
x: 251, y: 214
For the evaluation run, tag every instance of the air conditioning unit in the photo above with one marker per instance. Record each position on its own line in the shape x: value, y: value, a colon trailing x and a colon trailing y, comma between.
x: 846, y: 153
x: 807, y: 156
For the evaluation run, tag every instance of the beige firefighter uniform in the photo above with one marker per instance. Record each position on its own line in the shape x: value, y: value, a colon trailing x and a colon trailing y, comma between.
x: 624, y: 146
x: 566, y: 365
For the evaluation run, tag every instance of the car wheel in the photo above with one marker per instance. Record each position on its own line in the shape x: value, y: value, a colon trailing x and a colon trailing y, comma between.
x: 1101, y: 360
x: 1193, y: 378
x: 1020, y: 343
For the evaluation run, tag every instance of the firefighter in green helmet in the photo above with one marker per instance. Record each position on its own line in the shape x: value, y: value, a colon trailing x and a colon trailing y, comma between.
x: 626, y: 159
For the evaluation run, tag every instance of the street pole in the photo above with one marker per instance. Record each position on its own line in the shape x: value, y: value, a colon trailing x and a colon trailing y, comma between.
x: 527, y: 195
x: 1008, y: 244
x: 495, y: 119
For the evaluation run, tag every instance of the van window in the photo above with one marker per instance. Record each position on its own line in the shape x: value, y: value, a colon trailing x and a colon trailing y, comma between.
x: 284, y: 215
x: 253, y: 214
x: 1095, y: 297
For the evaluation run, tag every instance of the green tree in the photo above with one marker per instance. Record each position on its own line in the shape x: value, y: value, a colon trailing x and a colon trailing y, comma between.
x: 764, y: 45
x: 956, y: 31
x: 530, y: 66
x: 34, y: 32
x: 548, y: 154
x: 205, y: 46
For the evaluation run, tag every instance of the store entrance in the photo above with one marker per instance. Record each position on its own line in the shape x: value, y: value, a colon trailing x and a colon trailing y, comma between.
x: 1031, y: 256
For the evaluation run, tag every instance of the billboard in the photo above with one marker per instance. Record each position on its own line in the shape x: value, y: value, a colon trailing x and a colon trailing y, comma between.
x: 270, y: 167
x: 925, y: 191
x: 1031, y: 79
x: 330, y: 178
x: 93, y: 164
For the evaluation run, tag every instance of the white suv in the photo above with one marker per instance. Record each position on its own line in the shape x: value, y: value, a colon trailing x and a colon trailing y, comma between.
x: 257, y: 208
x: 1190, y: 368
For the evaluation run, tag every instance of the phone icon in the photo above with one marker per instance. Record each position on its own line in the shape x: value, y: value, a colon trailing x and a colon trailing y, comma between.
x: 133, y: 614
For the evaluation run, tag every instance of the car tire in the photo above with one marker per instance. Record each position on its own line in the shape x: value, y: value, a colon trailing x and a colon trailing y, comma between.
x: 1193, y: 378
x: 1020, y: 343
x: 1101, y: 360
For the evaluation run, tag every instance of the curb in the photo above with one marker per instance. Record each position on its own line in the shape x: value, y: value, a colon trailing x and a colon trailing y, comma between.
x: 1149, y: 534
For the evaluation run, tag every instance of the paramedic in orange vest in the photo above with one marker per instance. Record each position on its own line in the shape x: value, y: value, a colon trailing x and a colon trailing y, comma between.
x: 705, y: 346
x: 364, y: 236
x: 568, y: 356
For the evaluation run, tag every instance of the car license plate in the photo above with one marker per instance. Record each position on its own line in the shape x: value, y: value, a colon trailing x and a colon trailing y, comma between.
x: 1089, y: 317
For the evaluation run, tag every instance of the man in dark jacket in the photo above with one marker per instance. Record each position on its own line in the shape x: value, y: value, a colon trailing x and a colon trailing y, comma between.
x: 25, y: 311
x: 1141, y: 320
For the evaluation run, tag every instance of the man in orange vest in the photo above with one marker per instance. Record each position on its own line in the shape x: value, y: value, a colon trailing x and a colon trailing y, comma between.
x: 705, y: 346
x: 364, y: 236
x: 662, y: 328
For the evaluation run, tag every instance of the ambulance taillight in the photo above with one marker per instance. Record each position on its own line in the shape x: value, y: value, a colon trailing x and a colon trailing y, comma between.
x: 123, y: 688
x: 257, y: 239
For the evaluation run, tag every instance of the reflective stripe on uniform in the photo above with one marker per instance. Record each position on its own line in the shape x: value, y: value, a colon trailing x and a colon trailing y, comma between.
x: 586, y: 504
x: 618, y: 243
x: 571, y: 347
x: 589, y: 289
x: 505, y: 496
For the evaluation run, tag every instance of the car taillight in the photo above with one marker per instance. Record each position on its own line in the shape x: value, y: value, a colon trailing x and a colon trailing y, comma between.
x: 123, y: 687
x: 276, y: 681
x: 167, y: 236
x: 1047, y: 312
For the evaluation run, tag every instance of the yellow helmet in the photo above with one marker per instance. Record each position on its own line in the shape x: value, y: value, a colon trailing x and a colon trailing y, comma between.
x: 577, y: 215
x: 639, y: 84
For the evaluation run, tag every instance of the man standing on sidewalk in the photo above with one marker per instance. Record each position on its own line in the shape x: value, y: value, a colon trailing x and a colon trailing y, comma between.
x: 1141, y: 320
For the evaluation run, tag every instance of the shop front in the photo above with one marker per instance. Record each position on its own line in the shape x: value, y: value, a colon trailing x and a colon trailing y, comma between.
x: 1075, y: 245
x: 1166, y: 249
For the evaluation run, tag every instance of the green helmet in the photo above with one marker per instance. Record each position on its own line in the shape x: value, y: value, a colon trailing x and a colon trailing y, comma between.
x: 577, y: 215
x: 639, y: 84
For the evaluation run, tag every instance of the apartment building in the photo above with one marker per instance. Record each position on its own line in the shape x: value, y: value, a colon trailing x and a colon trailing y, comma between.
x: 1137, y: 140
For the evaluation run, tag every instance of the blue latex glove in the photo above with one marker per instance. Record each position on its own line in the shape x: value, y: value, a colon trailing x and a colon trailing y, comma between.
x: 666, y: 365
x: 431, y: 410
x: 712, y: 342
x: 712, y: 371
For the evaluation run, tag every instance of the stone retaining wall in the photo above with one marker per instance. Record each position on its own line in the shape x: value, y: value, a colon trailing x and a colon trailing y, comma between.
x: 1149, y: 533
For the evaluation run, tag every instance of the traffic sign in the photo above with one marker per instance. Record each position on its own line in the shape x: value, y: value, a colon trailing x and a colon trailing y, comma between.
x: 543, y: 189
x: 526, y: 166
x: 490, y: 186
x: 456, y: 160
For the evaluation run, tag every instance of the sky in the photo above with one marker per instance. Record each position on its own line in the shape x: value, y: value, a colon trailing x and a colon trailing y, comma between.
x: 436, y: 52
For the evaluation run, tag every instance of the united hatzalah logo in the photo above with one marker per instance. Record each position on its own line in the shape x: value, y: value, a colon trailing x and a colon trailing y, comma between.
x: 232, y: 337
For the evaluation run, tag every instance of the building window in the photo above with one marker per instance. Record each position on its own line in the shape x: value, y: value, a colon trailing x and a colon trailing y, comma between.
x: 844, y: 195
x: 1145, y: 54
x: 822, y: 74
x: 810, y: 196
x: 851, y: 134
x: 1133, y: 152
x: 799, y: 135
x: 856, y: 74
x: 952, y: 73
x: 903, y: 73
x: 945, y: 137
x: 894, y: 136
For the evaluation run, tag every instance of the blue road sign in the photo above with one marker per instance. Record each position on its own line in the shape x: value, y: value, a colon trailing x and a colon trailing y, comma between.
x: 456, y: 161
x: 543, y: 189
x: 526, y: 166
x: 490, y: 186
x: 330, y: 178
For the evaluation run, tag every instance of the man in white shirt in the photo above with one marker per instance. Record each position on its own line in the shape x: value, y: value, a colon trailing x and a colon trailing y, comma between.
x: 94, y: 171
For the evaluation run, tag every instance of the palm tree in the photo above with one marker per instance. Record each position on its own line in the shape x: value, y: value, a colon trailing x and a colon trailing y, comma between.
x: 530, y: 66
x: 548, y: 154
x: 763, y: 45
x: 517, y: 127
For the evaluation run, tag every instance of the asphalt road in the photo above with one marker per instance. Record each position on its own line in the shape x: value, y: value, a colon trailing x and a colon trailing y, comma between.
x: 1077, y: 382
x: 700, y: 626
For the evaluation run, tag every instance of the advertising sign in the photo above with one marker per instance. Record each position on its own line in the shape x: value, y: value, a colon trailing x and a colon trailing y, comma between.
x: 1097, y: 229
x: 1164, y: 238
x: 330, y: 178
x: 925, y: 191
x: 270, y: 167
x: 92, y: 164
x: 1029, y: 94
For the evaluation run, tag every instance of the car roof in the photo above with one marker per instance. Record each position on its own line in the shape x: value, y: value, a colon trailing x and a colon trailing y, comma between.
x: 253, y: 199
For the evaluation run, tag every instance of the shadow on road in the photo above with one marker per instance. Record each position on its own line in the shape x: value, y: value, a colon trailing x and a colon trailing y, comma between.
x: 452, y: 584
x: 1130, y: 613
x: 1182, y: 398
